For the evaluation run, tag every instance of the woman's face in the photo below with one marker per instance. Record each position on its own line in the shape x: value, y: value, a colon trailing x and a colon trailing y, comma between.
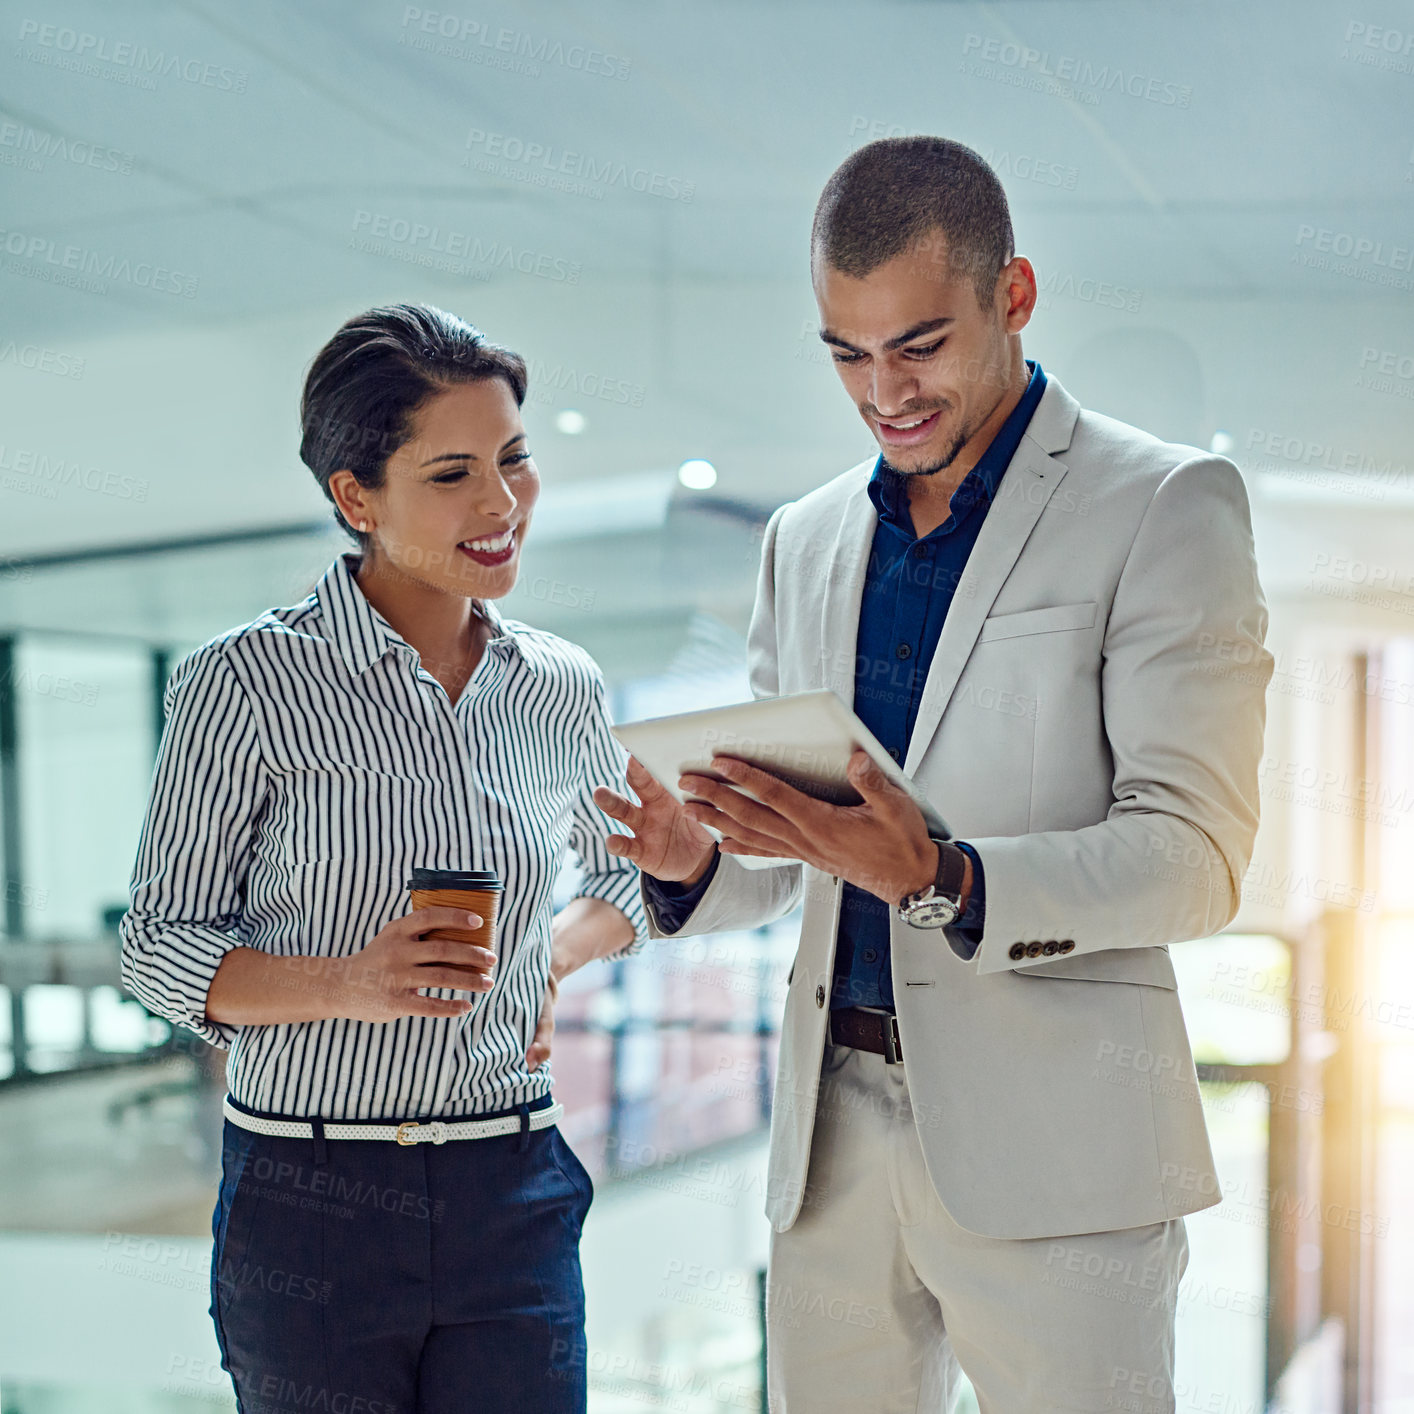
x: 458, y: 495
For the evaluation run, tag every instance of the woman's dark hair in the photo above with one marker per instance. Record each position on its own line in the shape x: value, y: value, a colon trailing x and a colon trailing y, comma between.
x: 366, y: 384
x: 890, y: 194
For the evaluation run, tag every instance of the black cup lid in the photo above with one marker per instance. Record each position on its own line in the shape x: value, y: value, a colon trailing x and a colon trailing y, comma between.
x: 454, y: 879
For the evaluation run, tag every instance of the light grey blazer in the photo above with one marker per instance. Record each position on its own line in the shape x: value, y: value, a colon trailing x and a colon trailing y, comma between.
x: 1080, y: 727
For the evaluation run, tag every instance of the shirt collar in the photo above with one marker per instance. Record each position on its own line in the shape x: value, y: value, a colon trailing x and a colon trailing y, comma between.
x: 361, y: 634
x: 980, y: 484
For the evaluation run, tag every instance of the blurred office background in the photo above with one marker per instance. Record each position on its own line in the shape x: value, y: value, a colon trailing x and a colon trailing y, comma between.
x: 1219, y: 202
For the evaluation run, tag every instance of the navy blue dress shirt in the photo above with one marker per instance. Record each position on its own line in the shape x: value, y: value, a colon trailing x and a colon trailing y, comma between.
x: 908, y: 589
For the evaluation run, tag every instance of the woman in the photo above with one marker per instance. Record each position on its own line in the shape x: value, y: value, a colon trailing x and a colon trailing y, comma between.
x: 311, y: 759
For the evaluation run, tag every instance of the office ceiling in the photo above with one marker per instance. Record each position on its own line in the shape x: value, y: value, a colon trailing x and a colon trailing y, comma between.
x: 1219, y: 200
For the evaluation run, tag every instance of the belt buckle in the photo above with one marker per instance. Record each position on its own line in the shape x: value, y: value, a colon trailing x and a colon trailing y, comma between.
x: 436, y: 1132
x: 893, y: 1054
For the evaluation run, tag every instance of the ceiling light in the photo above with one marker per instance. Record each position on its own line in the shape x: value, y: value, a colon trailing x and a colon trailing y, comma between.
x: 697, y: 474
x: 570, y: 422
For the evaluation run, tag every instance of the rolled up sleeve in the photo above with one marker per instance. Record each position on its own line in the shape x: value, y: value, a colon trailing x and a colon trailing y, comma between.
x: 187, y: 890
x: 606, y: 876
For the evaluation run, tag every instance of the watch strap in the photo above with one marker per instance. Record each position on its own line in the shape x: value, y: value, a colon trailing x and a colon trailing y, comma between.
x: 952, y: 869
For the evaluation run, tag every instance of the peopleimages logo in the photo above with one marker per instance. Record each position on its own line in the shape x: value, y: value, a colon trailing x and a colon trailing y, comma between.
x: 1088, y: 291
x: 545, y: 164
x: 45, y: 257
x: 1069, y: 69
x: 1378, y: 47
x: 1349, y: 245
x: 80, y: 50
x: 460, y: 250
x: 458, y: 37
x: 50, y: 472
x: 1355, y: 255
x: 41, y: 360
x: 33, y: 146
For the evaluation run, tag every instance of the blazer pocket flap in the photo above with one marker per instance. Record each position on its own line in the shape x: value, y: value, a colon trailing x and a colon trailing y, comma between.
x: 1150, y: 966
x: 1048, y: 620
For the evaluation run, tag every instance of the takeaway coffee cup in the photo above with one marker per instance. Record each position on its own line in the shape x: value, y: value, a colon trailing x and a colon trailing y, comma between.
x: 475, y: 890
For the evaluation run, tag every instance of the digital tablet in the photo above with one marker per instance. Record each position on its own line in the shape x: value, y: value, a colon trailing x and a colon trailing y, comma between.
x: 805, y: 738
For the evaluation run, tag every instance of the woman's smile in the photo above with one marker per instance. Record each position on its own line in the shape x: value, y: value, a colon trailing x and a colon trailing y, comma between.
x: 492, y: 549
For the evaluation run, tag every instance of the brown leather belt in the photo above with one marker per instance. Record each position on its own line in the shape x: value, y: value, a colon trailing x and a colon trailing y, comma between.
x: 867, y: 1030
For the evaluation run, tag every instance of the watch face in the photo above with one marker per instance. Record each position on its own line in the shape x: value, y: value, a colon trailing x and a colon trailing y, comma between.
x: 935, y: 913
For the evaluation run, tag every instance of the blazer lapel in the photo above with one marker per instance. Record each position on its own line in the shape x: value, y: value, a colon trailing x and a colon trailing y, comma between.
x: 1030, y: 481
x: 1031, y: 478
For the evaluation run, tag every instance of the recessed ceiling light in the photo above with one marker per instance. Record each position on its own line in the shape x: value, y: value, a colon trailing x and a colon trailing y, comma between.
x: 570, y: 422
x: 697, y: 474
x: 1222, y: 443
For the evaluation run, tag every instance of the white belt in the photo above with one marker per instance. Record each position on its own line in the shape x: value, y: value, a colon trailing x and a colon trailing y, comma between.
x: 409, y: 1132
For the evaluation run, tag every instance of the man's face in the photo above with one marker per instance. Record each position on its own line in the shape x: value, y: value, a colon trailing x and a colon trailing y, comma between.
x: 925, y: 364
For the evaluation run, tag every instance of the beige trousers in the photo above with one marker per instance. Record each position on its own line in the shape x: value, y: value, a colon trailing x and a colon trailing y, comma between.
x: 876, y: 1298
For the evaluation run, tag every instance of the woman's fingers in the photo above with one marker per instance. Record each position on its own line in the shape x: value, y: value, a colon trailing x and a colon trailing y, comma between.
x: 434, y: 1006
x: 538, y: 1051
x: 430, y: 975
x: 435, y: 950
x: 424, y: 920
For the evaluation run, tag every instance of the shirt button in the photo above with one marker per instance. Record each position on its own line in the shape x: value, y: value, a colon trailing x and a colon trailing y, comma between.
x: 870, y: 955
x: 820, y: 995
x: 903, y: 651
x: 920, y: 551
x: 894, y: 752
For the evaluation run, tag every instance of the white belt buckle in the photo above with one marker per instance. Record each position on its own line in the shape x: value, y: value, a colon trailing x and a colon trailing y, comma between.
x: 436, y: 1132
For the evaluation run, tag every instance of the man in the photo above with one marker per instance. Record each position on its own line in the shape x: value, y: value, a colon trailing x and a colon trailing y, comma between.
x: 987, y: 1127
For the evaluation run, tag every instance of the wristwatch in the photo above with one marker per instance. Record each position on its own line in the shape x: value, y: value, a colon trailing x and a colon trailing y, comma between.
x: 940, y: 903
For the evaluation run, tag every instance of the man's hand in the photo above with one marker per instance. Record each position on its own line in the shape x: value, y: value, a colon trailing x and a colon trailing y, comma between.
x: 881, y: 845
x: 666, y: 842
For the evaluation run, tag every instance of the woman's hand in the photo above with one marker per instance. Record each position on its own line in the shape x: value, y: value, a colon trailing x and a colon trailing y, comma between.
x: 380, y: 983
x: 584, y: 929
x: 539, y: 1051
x: 666, y: 842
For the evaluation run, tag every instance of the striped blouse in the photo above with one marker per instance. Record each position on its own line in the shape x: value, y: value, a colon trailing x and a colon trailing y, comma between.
x: 308, y: 763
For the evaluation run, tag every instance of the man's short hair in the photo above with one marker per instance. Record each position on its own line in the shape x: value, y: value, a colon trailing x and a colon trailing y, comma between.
x: 890, y: 194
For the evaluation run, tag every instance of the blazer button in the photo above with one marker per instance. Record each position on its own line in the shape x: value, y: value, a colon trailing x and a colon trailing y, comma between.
x: 1067, y: 945
x: 820, y: 995
x: 1033, y: 949
x: 1050, y: 946
x: 1016, y: 951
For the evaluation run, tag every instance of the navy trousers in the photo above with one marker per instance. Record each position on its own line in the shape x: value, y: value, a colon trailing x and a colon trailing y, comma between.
x: 365, y: 1277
